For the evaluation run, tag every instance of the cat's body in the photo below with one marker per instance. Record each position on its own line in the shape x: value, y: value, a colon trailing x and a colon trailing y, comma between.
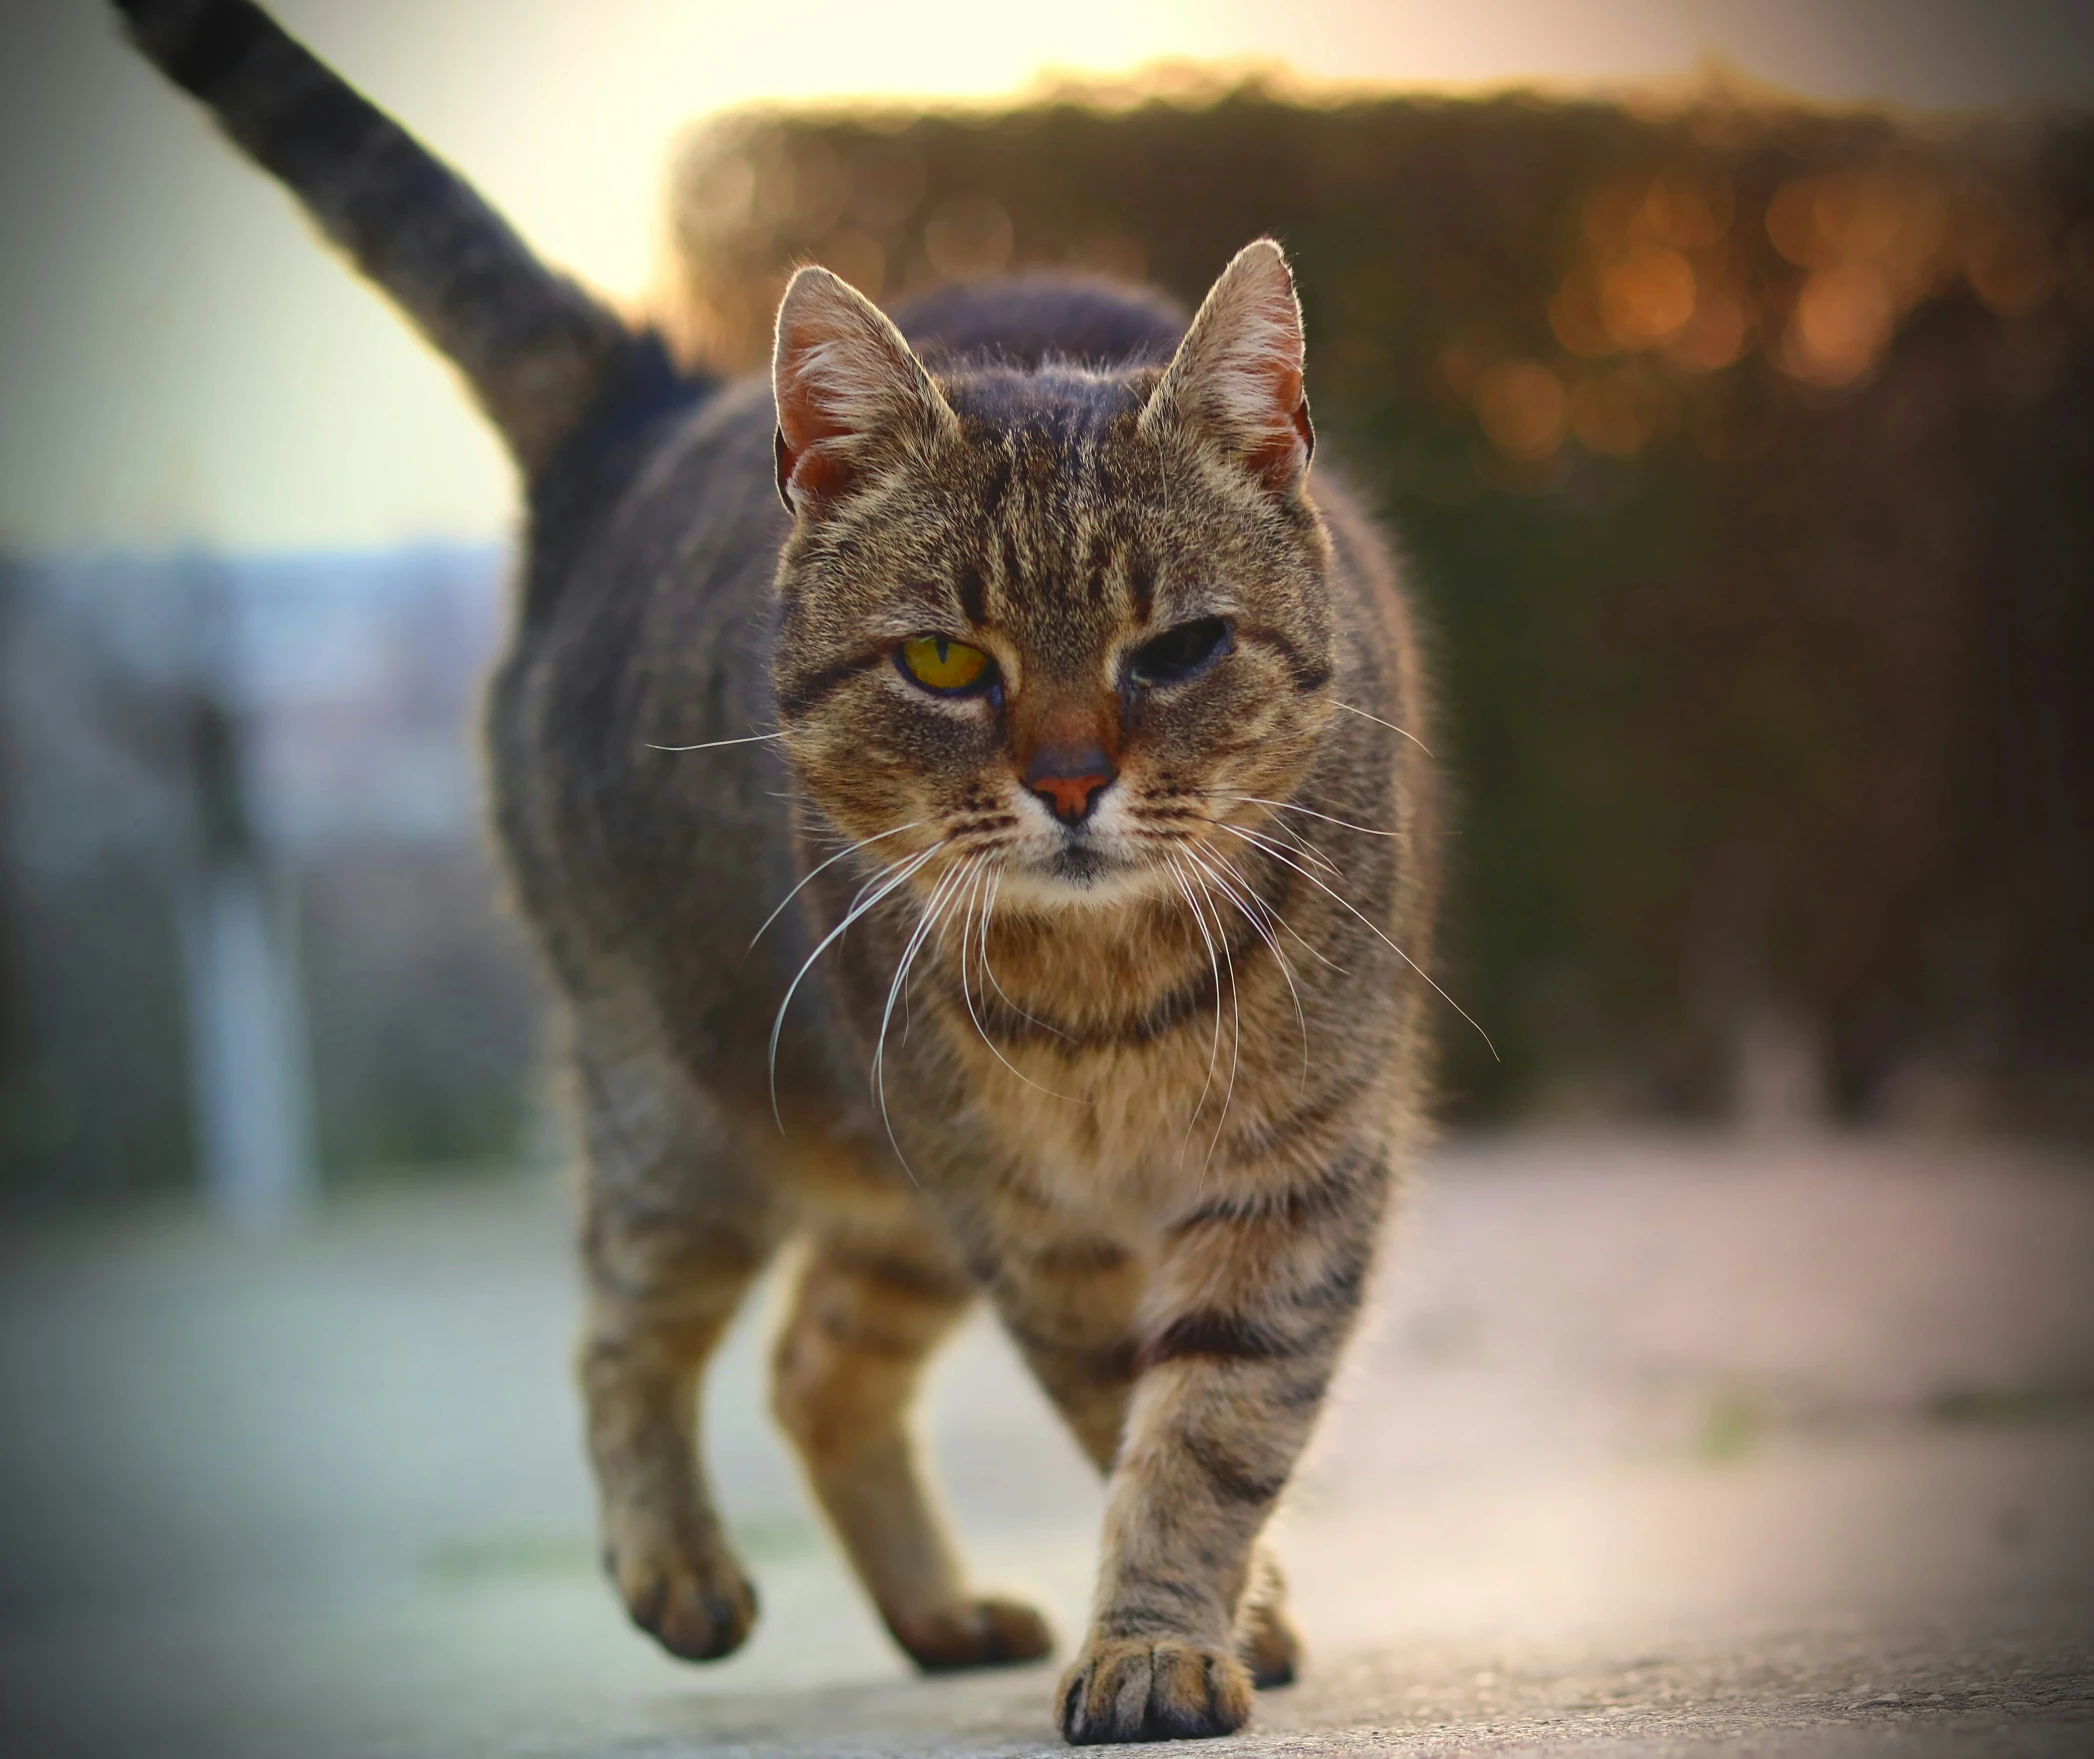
x: 1102, y: 915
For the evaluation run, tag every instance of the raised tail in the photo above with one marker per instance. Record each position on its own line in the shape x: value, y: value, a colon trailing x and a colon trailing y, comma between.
x: 538, y: 351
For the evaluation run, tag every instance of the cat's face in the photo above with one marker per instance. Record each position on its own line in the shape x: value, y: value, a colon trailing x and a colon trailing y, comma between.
x: 1040, y: 632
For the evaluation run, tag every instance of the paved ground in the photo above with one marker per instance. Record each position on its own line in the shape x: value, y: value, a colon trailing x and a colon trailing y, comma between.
x: 1652, y: 1446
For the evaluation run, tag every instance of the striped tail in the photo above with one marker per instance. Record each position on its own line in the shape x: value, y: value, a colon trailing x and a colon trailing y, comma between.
x: 537, y: 351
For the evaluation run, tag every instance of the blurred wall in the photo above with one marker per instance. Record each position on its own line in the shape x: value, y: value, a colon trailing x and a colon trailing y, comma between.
x: 336, y: 693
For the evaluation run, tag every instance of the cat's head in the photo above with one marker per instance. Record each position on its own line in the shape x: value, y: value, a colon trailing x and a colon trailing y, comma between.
x: 1062, y: 619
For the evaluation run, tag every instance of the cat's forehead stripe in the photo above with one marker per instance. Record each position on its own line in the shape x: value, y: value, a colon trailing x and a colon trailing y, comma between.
x: 1052, y: 534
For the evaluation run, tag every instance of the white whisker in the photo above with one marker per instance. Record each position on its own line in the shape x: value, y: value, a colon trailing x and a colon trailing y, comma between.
x: 1280, y: 826
x: 1214, y: 965
x: 1308, y: 946
x: 887, y: 881
x: 1379, y: 722
x: 984, y: 893
x: 1310, y: 812
x: 715, y: 744
x: 1243, y: 900
x: 1383, y: 937
x: 996, y: 892
x: 848, y: 849
x: 1274, y: 846
x: 933, y: 909
x: 1221, y: 930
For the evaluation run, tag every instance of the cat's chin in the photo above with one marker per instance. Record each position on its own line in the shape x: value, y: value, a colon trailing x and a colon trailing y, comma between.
x: 1079, y: 877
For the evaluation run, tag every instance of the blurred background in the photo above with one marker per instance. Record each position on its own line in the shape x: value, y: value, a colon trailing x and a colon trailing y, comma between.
x: 1727, y: 372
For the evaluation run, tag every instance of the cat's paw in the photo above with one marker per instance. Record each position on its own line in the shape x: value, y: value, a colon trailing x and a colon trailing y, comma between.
x: 1152, y: 1689
x: 695, y: 1603
x: 1270, y: 1647
x: 976, y: 1633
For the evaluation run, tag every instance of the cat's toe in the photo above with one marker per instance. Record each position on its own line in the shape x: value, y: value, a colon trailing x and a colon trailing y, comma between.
x: 977, y: 1633
x: 698, y: 1610
x: 1270, y: 1647
x: 1152, y: 1689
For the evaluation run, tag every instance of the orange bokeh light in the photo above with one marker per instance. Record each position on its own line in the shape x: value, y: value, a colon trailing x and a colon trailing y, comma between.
x: 1647, y: 296
x: 1521, y: 404
x: 1842, y: 322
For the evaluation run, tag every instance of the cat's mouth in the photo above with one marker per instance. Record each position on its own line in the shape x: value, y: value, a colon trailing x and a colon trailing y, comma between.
x: 1082, y: 863
x: 1079, y: 870
x: 1098, y: 864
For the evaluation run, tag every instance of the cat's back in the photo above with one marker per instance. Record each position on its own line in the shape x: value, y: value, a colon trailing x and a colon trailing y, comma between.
x: 1028, y: 321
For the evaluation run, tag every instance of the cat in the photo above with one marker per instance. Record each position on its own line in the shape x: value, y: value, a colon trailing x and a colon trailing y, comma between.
x: 970, y: 791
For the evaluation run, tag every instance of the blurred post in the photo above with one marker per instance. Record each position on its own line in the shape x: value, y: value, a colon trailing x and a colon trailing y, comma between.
x: 14, y: 1008
x: 249, y: 1070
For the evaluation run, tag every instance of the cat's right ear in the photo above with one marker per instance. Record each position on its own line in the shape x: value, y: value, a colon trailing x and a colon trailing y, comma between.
x: 842, y: 377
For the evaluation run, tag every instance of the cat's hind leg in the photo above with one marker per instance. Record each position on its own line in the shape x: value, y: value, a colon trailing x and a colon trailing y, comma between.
x: 876, y: 1296
x: 679, y: 1220
x: 1266, y: 1640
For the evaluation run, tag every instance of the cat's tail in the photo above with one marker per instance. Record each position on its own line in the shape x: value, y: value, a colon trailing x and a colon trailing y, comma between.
x: 536, y: 349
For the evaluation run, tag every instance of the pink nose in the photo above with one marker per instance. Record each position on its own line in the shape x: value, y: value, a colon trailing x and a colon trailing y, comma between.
x: 1070, y: 782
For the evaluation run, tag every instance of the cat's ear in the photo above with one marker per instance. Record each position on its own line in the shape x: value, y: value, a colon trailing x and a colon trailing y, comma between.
x: 842, y: 377
x: 1237, y: 376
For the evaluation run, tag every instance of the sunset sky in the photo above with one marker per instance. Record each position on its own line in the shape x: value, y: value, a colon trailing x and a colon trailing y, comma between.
x: 180, y: 362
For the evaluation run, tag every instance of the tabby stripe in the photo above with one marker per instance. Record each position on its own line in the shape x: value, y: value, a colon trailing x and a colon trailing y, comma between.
x: 1326, y: 1194
x: 1013, y: 567
x: 1097, y: 566
x: 1216, y: 1337
x: 1340, y: 1285
x: 973, y: 594
x: 1303, y: 1393
x: 801, y: 693
x: 1308, y: 674
x: 900, y: 1275
x: 1141, y: 587
x: 1304, y: 1120
x: 1232, y: 1480
x: 1079, y: 1257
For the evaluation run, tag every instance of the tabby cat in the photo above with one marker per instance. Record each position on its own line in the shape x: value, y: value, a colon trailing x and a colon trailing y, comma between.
x: 996, y: 669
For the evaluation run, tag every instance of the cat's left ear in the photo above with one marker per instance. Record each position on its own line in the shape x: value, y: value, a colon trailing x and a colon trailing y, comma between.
x: 1237, y: 376
x: 844, y: 379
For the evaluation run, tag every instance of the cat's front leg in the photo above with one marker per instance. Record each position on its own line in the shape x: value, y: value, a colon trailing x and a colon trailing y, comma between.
x: 1251, y: 1300
x: 1068, y: 1299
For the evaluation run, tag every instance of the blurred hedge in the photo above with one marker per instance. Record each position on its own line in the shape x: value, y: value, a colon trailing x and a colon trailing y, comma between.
x: 1745, y: 456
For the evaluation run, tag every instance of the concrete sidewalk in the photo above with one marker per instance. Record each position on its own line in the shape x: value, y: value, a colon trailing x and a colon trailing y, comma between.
x: 1651, y: 1445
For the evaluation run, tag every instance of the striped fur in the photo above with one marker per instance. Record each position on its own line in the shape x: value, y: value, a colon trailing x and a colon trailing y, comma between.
x: 1145, y: 1082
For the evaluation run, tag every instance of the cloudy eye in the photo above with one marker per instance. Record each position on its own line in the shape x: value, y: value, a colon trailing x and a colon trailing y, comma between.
x: 1179, y: 653
x: 944, y: 666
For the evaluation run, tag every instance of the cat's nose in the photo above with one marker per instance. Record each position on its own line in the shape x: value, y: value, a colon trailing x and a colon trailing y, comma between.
x: 1070, y: 781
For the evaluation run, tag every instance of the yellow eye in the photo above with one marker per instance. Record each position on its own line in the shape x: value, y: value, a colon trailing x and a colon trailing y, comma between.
x: 939, y: 664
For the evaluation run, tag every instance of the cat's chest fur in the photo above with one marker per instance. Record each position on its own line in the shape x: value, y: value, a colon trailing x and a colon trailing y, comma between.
x: 1119, y: 1078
